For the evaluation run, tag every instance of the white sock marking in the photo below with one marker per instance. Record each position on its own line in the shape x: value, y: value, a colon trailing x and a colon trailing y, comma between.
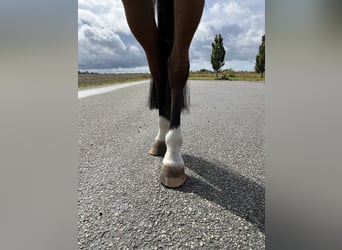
x: 173, y: 142
x: 164, y: 126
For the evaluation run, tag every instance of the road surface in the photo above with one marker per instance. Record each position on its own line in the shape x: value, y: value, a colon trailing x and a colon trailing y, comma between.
x: 221, y: 206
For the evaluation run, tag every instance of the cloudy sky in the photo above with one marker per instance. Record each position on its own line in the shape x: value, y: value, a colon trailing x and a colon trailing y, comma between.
x: 105, y: 43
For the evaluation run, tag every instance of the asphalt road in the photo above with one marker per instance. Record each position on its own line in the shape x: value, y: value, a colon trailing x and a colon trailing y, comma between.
x: 221, y: 206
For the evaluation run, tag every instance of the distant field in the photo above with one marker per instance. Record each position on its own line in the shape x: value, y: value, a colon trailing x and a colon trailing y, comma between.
x: 226, y: 75
x: 95, y: 79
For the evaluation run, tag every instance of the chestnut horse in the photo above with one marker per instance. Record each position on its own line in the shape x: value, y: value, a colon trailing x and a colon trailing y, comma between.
x: 166, y: 44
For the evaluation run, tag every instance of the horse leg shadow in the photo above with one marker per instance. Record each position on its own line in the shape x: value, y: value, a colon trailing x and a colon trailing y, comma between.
x: 232, y: 191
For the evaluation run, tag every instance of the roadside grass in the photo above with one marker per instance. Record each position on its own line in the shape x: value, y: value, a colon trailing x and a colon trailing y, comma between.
x: 99, y: 84
x: 196, y: 77
x: 247, y: 78
x: 226, y: 75
x: 86, y: 80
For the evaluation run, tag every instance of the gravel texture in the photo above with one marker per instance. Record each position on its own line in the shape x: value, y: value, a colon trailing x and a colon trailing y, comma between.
x: 221, y: 206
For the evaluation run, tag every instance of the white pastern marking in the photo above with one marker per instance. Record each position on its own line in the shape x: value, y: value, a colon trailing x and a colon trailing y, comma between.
x: 164, y: 126
x: 173, y: 142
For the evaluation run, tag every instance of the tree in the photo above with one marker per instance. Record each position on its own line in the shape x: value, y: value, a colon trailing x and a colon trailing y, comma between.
x: 260, y: 58
x: 218, y: 53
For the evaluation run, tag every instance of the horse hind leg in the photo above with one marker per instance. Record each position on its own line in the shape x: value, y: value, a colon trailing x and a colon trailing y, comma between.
x: 172, y: 172
x: 160, y: 94
x: 146, y: 33
x: 163, y: 96
x: 158, y: 147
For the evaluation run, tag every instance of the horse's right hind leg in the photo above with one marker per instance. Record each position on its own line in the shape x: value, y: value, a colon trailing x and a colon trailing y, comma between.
x: 172, y: 173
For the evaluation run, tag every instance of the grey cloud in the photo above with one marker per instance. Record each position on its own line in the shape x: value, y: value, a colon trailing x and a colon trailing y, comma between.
x: 102, y: 48
x: 105, y: 41
x: 101, y: 43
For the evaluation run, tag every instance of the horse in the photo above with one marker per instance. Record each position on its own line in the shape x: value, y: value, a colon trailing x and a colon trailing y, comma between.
x: 166, y: 42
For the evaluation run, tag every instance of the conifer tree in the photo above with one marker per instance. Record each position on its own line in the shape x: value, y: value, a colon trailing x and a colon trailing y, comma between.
x: 260, y: 58
x: 218, y: 53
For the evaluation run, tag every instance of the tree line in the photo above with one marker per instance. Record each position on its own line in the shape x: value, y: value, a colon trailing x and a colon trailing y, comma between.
x: 218, y: 54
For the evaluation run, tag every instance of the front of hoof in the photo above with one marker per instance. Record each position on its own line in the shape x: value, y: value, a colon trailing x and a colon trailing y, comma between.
x: 158, y: 148
x: 172, y: 176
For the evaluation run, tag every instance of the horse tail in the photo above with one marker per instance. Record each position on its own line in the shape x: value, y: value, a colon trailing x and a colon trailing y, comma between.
x: 165, y: 18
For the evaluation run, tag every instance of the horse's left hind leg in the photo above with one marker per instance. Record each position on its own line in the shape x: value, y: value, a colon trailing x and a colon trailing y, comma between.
x: 140, y: 18
x: 158, y: 147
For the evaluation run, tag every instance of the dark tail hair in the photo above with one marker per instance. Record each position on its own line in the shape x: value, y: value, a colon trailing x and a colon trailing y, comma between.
x: 165, y: 17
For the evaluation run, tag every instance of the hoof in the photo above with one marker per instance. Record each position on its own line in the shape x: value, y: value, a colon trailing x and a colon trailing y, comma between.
x: 171, y: 176
x: 158, y: 148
